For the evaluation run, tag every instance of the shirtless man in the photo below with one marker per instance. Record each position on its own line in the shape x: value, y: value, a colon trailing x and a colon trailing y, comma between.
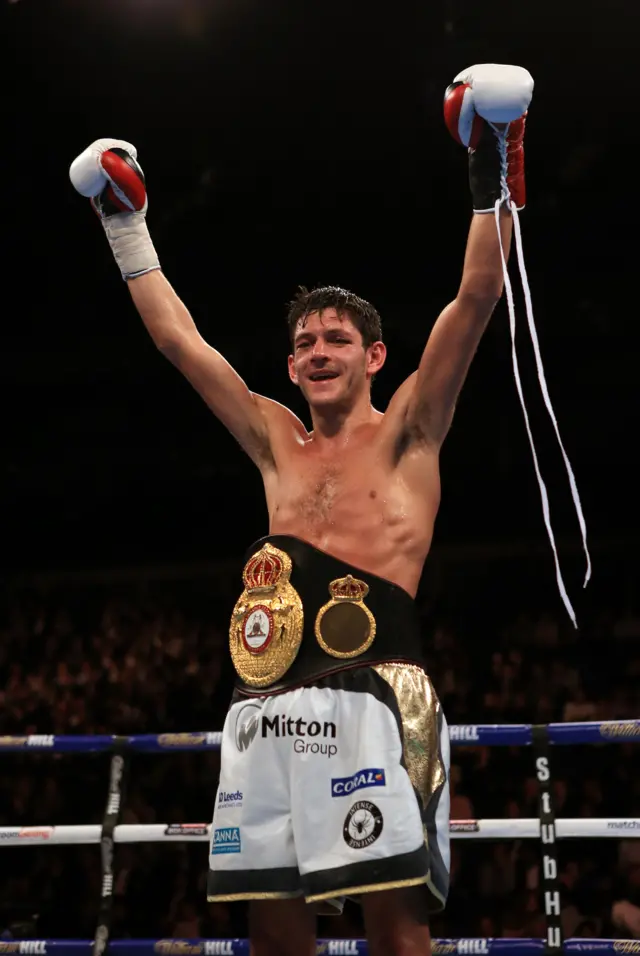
x: 334, y: 764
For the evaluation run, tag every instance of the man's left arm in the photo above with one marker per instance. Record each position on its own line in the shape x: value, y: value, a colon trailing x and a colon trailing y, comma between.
x: 485, y: 109
x: 458, y: 329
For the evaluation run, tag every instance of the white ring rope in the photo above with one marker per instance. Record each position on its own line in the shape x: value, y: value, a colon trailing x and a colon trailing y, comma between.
x: 512, y: 829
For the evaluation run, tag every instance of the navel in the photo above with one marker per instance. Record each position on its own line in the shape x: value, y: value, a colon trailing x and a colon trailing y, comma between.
x: 373, y: 493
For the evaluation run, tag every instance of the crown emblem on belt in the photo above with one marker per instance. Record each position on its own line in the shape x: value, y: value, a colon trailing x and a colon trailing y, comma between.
x: 267, y: 621
x: 344, y: 626
x: 263, y: 570
x: 348, y: 589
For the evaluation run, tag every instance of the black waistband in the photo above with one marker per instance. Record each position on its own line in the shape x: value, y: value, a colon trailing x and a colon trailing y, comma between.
x: 397, y: 636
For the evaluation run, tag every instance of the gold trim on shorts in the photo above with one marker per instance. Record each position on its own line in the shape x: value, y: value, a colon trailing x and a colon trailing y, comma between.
x: 419, y: 710
x: 368, y: 888
x: 236, y: 897
x: 433, y: 889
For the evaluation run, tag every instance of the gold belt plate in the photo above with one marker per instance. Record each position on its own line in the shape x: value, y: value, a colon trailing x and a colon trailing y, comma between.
x: 344, y: 626
x: 267, y: 621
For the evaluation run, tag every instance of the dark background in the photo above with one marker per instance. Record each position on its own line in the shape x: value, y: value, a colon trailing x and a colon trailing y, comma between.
x: 288, y: 143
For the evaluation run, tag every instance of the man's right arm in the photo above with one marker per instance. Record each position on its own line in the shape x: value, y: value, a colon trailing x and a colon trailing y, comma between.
x: 109, y: 174
x: 175, y: 334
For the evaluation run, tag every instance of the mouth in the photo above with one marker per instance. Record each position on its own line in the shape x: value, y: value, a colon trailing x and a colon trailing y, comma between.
x: 323, y: 376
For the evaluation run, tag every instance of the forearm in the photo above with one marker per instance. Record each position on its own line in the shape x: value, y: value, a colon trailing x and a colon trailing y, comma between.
x: 482, y: 275
x: 165, y: 317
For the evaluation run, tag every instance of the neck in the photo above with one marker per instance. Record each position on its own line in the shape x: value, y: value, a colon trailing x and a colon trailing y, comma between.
x: 340, y: 423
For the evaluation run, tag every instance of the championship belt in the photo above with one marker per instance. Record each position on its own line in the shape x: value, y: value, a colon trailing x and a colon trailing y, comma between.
x: 267, y: 621
x: 345, y: 627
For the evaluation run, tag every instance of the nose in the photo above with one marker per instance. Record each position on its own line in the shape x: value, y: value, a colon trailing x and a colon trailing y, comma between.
x: 319, y: 350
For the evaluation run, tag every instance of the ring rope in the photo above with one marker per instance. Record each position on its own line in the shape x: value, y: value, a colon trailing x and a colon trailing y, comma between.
x: 326, y: 947
x: 512, y: 829
x: 469, y: 735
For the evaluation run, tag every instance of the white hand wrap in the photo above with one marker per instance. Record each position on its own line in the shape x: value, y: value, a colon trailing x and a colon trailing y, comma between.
x: 131, y: 244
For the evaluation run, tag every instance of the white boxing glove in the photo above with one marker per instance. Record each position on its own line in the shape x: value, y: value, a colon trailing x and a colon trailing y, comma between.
x: 500, y: 93
x: 485, y: 109
x: 108, y: 173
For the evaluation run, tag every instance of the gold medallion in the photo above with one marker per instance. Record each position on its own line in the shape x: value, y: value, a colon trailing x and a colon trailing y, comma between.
x: 345, y: 627
x: 266, y: 624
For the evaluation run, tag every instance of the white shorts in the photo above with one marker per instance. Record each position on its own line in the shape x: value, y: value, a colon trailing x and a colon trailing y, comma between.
x: 334, y: 790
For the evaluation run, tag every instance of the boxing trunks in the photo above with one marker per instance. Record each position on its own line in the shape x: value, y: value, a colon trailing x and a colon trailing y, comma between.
x: 335, y: 751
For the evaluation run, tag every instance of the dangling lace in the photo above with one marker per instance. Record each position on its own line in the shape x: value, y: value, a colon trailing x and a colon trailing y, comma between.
x: 506, y: 197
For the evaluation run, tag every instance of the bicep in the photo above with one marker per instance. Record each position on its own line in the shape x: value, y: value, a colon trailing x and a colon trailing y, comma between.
x: 226, y: 394
x: 444, y: 365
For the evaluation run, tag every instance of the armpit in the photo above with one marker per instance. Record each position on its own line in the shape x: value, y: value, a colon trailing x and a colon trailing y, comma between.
x: 411, y: 435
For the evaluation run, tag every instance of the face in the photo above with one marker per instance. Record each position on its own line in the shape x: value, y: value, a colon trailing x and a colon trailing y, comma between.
x: 329, y: 362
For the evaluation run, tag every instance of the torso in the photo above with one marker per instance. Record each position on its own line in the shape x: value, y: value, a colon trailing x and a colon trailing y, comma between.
x: 364, y: 500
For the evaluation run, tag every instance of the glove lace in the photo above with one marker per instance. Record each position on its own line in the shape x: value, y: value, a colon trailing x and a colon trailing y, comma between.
x: 543, y: 385
x: 501, y: 146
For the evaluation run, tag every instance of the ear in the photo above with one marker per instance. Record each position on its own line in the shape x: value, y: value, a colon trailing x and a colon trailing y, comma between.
x: 376, y: 357
x: 292, y: 370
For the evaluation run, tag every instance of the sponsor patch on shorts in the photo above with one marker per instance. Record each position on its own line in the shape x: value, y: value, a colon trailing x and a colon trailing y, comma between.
x: 369, y: 777
x: 226, y: 840
x: 362, y: 825
x: 227, y: 800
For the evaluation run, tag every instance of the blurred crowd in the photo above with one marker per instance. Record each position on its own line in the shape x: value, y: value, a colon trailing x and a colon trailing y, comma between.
x: 148, y: 656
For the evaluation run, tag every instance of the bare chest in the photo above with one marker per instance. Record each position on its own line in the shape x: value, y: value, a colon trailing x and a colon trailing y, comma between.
x: 316, y: 492
x: 350, y: 488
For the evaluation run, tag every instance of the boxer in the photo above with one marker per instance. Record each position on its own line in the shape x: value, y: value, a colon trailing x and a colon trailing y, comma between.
x: 335, y: 753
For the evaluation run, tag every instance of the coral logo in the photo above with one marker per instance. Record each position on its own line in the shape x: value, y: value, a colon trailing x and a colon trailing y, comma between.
x: 371, y: 777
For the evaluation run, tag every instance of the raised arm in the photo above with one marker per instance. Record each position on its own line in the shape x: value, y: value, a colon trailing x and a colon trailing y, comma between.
x: 174, y: 332
x: 500, y: 94
x: 108, y: 172
x: 458, y: 329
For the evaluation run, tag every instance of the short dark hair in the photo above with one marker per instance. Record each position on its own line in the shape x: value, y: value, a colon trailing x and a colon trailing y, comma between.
x: 362, y: 313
